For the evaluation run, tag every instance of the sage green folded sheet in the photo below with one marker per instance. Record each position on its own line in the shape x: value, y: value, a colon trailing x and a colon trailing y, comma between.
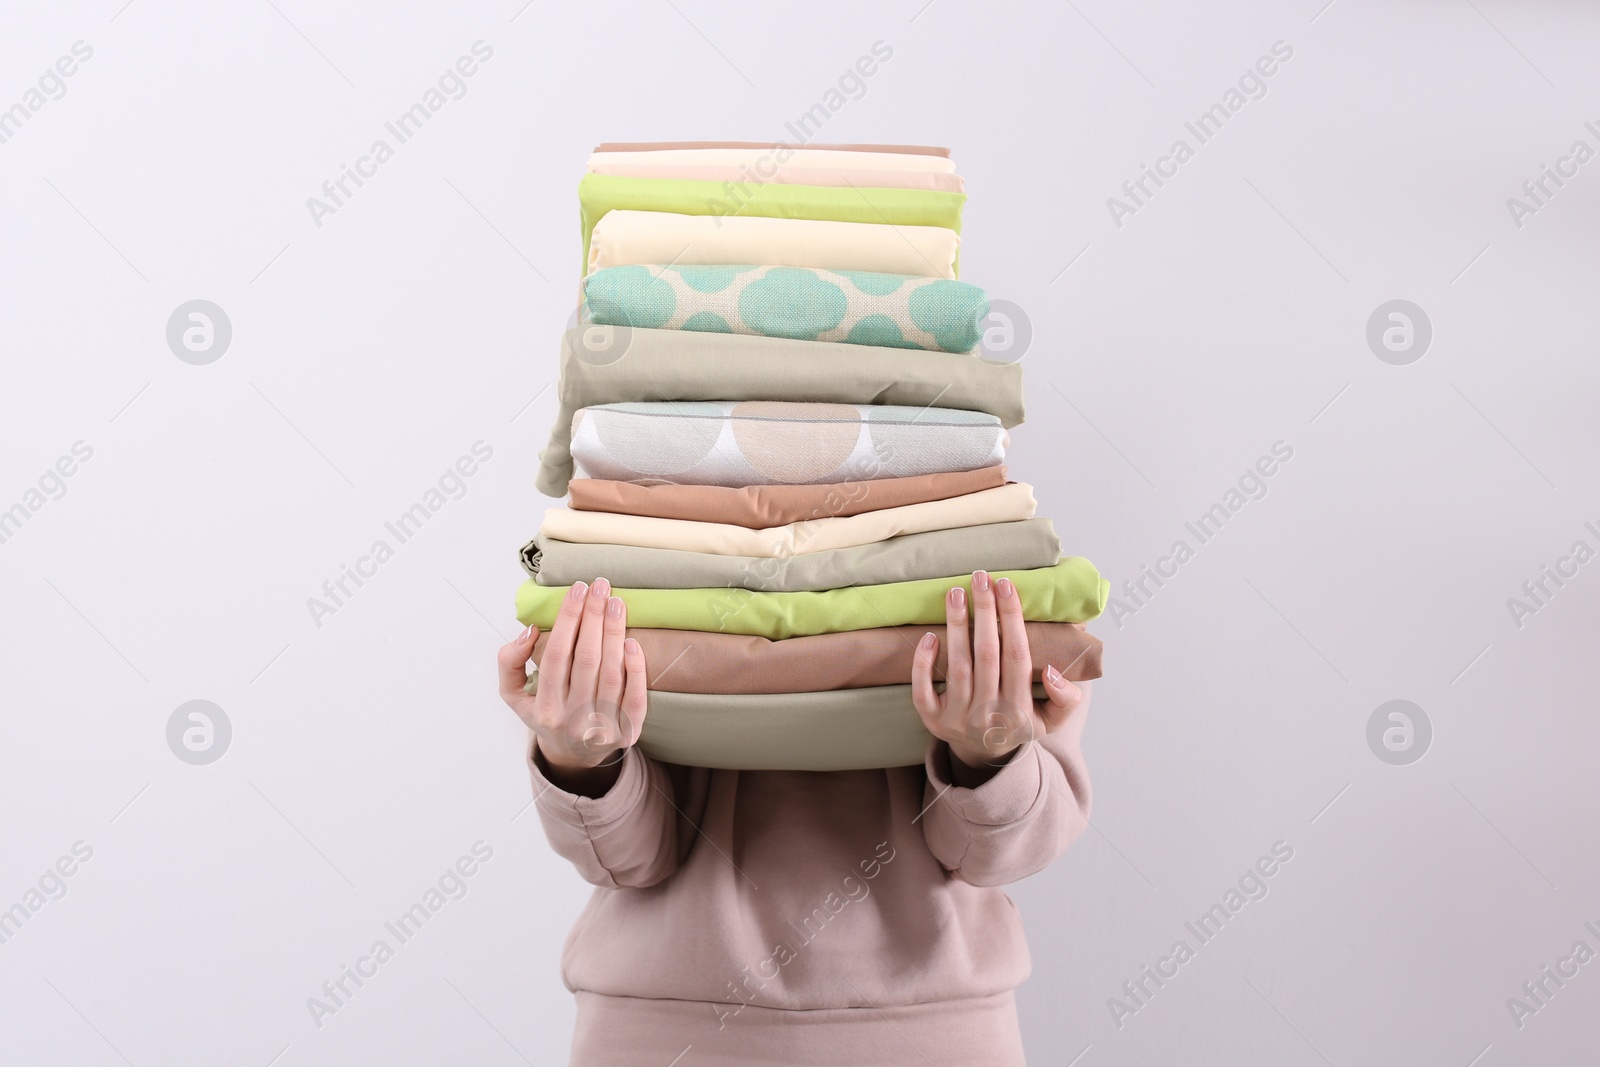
x: 1070, y: 591
x: 836, y: 730
x: 600, y: 193
x: 616, y: 364
x: 1025, y: 545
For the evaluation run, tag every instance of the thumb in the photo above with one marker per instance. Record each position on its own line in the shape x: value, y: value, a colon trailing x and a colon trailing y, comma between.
x: 1061, y: 698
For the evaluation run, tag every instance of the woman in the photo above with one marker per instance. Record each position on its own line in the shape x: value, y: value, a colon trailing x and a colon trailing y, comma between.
x: 783, y: 917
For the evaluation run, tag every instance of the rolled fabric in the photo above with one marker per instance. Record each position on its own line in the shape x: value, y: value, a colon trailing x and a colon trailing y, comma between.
x: 609, y: 364
x: 623, y: 238
x: 673, y: 146
x: 1023, y: 545
x: 600, y: 193
x: 735, y: 172
x: 1071, y: 591
x: 1012, y: 502
x: 760, y: 506
x: 838, y: 730
x: 800, y: 303
x: 685, y: 661
x: 762, y: 442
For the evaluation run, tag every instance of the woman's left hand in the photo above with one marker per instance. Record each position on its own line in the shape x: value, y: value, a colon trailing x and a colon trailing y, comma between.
x: 987, y: 709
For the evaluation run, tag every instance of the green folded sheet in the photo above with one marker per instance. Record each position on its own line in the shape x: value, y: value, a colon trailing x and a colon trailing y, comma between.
x: 1070, y: 591
x: 600, y: 193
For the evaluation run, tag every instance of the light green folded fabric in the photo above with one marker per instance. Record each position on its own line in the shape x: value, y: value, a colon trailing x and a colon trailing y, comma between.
x: 600, y: 193
x: 1070, y: 591
x: 613, y: 364
x: 1023, y: 545
x: 834, y: 730
x: 802, y: 303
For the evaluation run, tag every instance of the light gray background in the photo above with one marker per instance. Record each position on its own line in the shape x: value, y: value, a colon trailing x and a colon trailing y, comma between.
x: 368, y: 354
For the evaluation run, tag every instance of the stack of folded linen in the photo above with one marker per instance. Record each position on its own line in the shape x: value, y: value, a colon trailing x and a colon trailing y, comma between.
x: 788, y: 447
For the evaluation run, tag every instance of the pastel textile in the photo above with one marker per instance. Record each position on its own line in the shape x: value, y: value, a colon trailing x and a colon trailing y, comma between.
x: 800, y: 303
x: 673, y: 146
x: 832, y: 176
x: 623, y: 238
x: 609, y: 364
x: 1023, y: 545
x: 836, y: 730
x: 759, y: 506
x: 686, y: 661
x: 1071, y: 591
x: 600, y: 193
x: 1008, y: 503
x: 764, y: 161
x: 764, y: 442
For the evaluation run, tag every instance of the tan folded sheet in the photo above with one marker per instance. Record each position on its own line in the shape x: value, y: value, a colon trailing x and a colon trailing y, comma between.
x: 836, y: 177
x: 677, y: 146
x: 1007, y: 503
x: 760, y: 506
x: 690, y: 661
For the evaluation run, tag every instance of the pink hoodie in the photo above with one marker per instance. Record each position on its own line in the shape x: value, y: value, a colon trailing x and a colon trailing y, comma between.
x: 782, y: 917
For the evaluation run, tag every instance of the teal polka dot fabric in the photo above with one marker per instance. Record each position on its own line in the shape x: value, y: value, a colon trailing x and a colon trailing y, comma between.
x: 854, y: 307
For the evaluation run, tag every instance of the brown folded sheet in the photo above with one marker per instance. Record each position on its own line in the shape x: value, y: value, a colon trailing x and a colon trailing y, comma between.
x: 695, y: 661
x: 668, y: 146
x: 762, y: 506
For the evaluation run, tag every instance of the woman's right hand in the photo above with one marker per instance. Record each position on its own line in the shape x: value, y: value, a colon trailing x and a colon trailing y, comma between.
x: 590, y: 705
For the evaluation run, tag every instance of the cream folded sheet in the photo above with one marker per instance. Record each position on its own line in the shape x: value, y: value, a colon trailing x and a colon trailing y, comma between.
x: 1006, y: 503
x: 641, y: 238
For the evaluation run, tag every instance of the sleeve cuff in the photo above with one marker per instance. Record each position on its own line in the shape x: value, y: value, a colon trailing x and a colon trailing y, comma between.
x: 625, y: 793
x: 1009, y: 796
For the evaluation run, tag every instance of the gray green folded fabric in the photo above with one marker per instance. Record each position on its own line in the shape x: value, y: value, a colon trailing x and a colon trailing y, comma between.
x: 612, y: 364
x: 1025, y: 545
x: 803, y: 304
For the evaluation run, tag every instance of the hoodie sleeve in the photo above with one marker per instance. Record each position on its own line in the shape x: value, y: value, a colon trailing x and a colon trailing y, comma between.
x: 1016, y: 823
x: 626, y: 838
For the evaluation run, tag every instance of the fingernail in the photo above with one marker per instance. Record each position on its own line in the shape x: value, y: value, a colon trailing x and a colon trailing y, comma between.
x: 1005, y: 587
x: 578, y: 591
x: 630, y: 646
x: 614, y: 607
x: 601, y: 587
x: 523, y: 636
x: 1052, y: 675
x: 980, y: 579
x: 958, y: 598
x: 927, y: 642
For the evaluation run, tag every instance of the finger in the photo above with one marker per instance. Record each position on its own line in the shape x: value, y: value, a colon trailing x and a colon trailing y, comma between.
x: 513, y: 663
x: 586, y: 651
x: 635, y: 702
x: 985, y: 642
x: 608, y: 689
x: 957, y: 650
x: 557, y: 662
x: 923, y: 696
x: 1062, y: 698
x: 1016, y: 662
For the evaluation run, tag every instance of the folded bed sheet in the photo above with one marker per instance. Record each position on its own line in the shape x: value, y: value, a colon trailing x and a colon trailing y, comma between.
x: 609, y: 364
x: 1012, y: 502
x: 1070, y: 591
x: 760, y: 506
x: 800, y: 303
x: 600, y: 193
x: 770, y: 146
x: 622, y: 238
x: 762, y: 172
x: 764, y: 159
x: 1023, y: 545
x: 763, y: 442
x: 684, y: 661
x: 837, y: 730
